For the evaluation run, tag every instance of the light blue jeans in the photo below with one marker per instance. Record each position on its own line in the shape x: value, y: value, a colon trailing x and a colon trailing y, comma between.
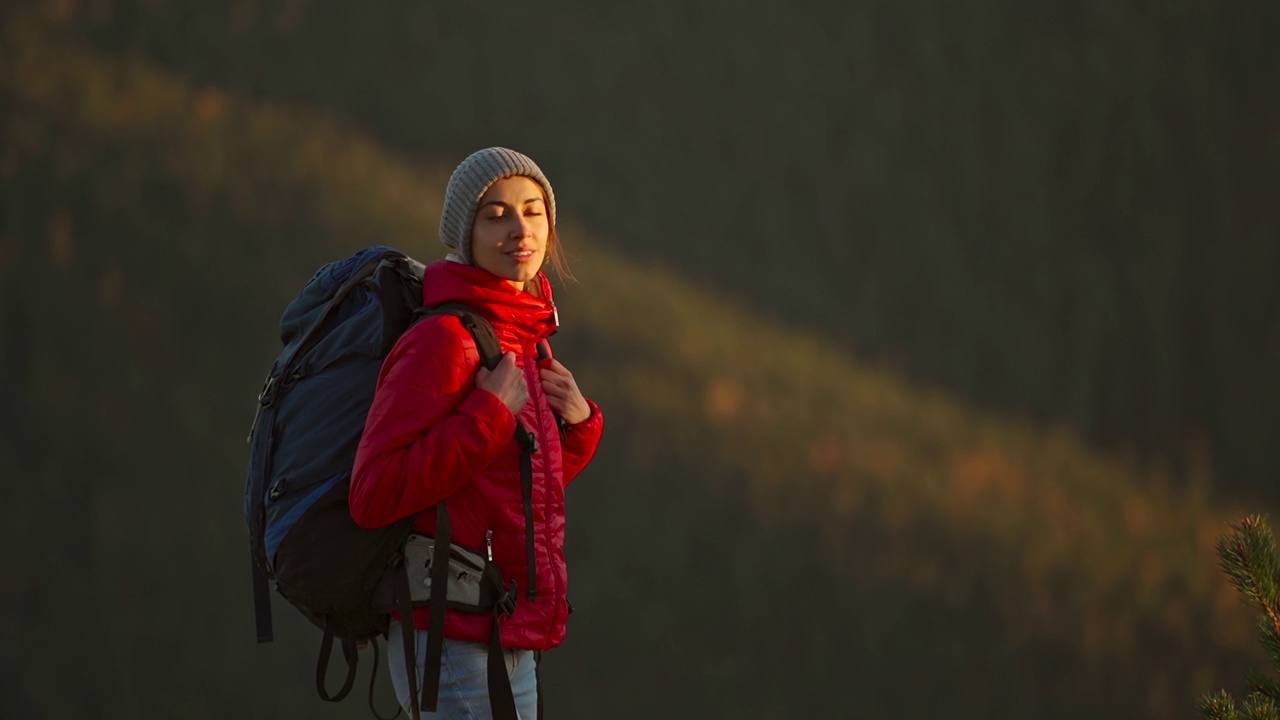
x: 464, y: 680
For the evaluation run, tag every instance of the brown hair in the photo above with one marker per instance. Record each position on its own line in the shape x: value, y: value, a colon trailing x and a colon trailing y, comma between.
x: 556, y: 257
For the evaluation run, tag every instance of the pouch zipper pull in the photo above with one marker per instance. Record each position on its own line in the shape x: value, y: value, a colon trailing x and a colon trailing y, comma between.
x: 488, y: 544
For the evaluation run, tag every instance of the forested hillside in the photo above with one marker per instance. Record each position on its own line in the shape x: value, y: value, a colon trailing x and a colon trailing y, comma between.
x: 1058, y: 208
x: 773, y: 527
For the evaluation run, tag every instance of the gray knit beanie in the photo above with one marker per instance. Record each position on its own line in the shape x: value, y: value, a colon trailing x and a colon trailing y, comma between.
x: 470, y: 180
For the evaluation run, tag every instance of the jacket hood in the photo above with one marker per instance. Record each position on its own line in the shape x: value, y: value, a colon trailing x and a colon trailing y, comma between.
x: 516, y: 315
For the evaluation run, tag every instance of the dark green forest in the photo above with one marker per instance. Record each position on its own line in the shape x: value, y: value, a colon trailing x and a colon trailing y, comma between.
x: 935, y: 342
x: 1064, y: 210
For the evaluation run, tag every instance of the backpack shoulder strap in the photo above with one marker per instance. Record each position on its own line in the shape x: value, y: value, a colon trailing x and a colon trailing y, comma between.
x: 501, y: 701
x: 475, y: 323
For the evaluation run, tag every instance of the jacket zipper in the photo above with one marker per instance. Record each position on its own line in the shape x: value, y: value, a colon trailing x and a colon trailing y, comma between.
x: 547, y: 479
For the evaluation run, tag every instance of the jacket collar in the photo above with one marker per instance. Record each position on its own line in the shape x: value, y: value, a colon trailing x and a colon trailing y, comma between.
x: 516, y: 315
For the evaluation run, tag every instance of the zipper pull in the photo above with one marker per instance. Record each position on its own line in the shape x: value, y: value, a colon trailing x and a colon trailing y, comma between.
x: 488, y: 544
x: 264, y: 399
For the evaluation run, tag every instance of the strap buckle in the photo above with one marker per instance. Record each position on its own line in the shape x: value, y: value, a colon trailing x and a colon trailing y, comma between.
x: 505, y: 606
x: 528, y: 441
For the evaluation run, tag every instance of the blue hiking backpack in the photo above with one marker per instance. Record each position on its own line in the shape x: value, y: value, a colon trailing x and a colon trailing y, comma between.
x: 310, y: 416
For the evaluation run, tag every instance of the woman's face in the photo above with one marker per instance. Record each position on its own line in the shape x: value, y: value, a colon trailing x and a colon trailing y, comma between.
x: 509, y: 235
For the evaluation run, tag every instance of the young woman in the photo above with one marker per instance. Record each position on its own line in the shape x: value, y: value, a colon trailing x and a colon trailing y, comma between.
x: 443, y: 428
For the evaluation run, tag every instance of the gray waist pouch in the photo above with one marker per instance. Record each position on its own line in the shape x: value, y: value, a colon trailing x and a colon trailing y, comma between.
x: 475, y: 583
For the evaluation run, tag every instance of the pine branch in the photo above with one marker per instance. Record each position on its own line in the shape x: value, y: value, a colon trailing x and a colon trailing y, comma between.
x: 1218, y: 707
x: 1248, y: 557
x: 1269, y: 634
x: 1258, y: 707
x: 1261, y: 684
x: 1247, y: 554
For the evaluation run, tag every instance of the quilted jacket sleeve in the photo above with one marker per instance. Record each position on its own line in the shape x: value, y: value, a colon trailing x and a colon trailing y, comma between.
x: 430, y: 430
x: 580, y: 443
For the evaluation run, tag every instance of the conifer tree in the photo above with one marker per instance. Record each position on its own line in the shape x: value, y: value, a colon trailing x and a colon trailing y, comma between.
x: 1248, y: 556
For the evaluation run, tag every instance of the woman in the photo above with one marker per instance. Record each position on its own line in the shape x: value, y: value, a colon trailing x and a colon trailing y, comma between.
x: 443, y: 427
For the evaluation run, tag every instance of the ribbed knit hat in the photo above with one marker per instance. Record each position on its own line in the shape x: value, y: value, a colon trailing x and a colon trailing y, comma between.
x: 470, y: 180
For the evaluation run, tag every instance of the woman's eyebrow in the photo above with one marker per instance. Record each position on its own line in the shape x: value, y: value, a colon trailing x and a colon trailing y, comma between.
x: 499, y: 203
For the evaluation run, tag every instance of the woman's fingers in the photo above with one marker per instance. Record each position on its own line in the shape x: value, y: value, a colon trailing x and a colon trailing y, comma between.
x: 562, y: 392
x: 505, y: 381
x: 556, y: 394
x: 552, y: 379
x: 556, y: 369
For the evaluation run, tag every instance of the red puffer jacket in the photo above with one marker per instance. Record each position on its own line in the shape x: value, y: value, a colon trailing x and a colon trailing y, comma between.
x: 433, y: 435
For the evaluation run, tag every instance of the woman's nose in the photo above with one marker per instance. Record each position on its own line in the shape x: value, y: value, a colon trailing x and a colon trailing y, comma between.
x: 523, y: 227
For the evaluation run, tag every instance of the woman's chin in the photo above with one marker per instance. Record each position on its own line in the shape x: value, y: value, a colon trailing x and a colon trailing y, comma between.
x: 523, y: 273
x: 518, y: 275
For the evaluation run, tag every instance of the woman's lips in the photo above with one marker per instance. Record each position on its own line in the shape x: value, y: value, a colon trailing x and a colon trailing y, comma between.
x: 522, y: 256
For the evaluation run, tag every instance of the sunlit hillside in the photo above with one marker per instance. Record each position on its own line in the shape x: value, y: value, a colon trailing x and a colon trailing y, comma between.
x: 1058, y: 207
x: 771, y: 529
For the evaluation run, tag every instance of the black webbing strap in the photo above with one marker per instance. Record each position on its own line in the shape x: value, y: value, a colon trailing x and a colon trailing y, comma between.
x: 261, y: 601
x: 487, y: 344
x: 374, y: 676
x: 528, y: 446
x: 405, y: 605
x: 537, y: 679
x: 349, y: 653
x: 502, y: 702
x: 439, y: 598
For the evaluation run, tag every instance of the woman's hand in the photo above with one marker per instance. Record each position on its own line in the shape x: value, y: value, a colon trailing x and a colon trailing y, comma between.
x: 506, y: 381
x: 563, y: 394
